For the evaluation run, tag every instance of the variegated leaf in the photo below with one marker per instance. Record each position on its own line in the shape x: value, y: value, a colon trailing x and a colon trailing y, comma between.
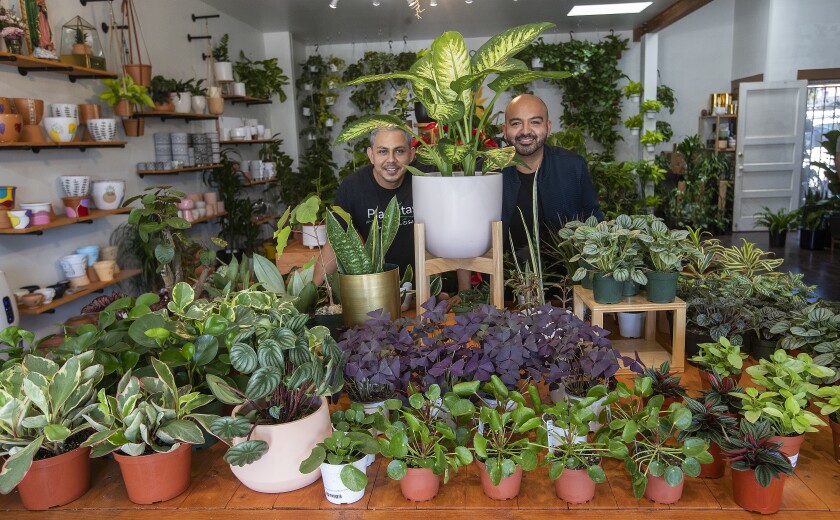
x: 447, y: 111
x: 496, y: 159
x: 365, y: 125
x: 510, y: 79
x: 506, y: 44
x: 450, y: 60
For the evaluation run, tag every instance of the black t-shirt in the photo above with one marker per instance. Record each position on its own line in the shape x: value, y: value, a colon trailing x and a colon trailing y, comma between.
x: 360, y: 196
x: 523, y: 202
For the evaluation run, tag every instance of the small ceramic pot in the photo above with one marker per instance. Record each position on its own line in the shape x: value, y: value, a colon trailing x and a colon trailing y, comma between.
x: 89, y: 112
x: 185, y: 204
x: 41, y: 212
x: 11, y: 126
x: 20, y: 219
x: 32, y: 299
x: 7, y: 197
x: 216, y: 106
x: 91, y: 252
x: 49, y: 294
x: 31, y: 110
x: 75, y: 185
x: 64, y: 110
x: 102, y: 130
x: 19, y: 294
x: 80, y: 281
x: 199, y: 104
x: 195, y: 197
x: 105, y: 270
x: 182, y: 102
x: 73, y: 266
x: 61, y: 129
x: 75, y: 207
x: 211, y: 197
x: 108, y: 194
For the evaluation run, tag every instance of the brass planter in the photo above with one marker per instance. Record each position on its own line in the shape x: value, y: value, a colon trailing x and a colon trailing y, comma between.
x: 364, y: 293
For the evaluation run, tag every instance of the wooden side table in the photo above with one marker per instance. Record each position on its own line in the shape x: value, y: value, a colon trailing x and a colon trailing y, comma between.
x: 295, y: 255
x: 650, y: 352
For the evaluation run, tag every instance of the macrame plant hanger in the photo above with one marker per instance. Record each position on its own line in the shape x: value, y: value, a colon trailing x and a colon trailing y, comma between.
x: 140, y: 72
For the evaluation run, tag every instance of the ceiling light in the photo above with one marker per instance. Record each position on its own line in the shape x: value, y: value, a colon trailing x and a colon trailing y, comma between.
x: 412, y: 3
x: 468, y: 1
x: 433, y: 3
x: 603, y: 9
x: 334, y: 4
x: 375, y: 3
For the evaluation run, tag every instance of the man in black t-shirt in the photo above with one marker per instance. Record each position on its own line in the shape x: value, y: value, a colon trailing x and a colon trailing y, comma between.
x: 371, y: 188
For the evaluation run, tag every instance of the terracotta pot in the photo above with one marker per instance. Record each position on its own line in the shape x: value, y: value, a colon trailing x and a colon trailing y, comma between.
x: 289, y: 444
x: 32, y: 134
x: 574, y: 486
x: 508, y: 487
x: 11, y: 126
x: 659, y: 491
x: 42, y: 488
x: 5, y: 222
x: 164, y: 107
x: 81, y: 49
x: 76, y: 206
x: 215, y: 106
x: 790, y: 446
x: 89, y: 111
x: 155, y: 478
x: 716, y: 468
x: 104, y: 270
x: 835, y: 433
x: 420, y: 484
x: 6, y: 106
x: 123, y: 108
x: 140, y: 73
x: 134, y: 127
x: 751, y: 496
x: 31, y: 110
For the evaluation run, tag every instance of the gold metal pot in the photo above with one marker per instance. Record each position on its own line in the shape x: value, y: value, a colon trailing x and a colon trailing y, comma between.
x: 363, y: 293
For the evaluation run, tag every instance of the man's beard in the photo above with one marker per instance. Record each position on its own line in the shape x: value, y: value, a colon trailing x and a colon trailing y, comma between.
x: 526, y: 150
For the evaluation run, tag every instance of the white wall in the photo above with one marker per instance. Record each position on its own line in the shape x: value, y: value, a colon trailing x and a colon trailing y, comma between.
x: 32, y: 259
x: 749, y: 53
x: 279, y: 45
x: 695, y: 59
x: 802, y: 34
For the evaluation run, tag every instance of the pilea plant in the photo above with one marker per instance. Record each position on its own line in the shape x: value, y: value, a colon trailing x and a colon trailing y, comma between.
x: 342, y: 448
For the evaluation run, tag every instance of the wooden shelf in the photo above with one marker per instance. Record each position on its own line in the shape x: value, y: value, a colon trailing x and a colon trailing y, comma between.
x: 254, y: 183
x: 202, y: 220
x: 88, y: 289
x: 79, y: 145
x: 247, y: 100
x: 26, y: 64
x: 719, y: 149
x: 143, y: 173
x: 722, y: 116
x: 237, y: 142
x: 265, y: 220
x: 175, y: 115
x: 64, y: 220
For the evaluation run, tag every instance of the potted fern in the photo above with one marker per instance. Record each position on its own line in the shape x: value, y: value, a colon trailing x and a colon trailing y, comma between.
x: 457, y: 209
x: 222, y: 67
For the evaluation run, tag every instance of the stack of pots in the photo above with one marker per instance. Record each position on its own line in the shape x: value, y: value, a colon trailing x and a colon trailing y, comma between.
x: 11, y: 123
x: 31, y: 112
x: 197, y: 206
x: 7, y: 203
x: 76, y: 202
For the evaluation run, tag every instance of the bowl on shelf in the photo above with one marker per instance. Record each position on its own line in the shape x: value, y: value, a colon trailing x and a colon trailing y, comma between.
x: 102, y: 130
x: 61, y: 129
x: 238, y: 134
x: 10, y: 127
x: 75, y: 185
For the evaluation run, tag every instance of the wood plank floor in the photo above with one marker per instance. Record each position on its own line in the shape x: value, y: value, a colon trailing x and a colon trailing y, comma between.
x: 216, y: 493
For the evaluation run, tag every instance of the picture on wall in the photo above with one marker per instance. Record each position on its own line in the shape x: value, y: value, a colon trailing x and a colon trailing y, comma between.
x: 39, y: 34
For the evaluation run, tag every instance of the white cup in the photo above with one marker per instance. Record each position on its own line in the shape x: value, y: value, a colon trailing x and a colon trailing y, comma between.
x: 48, y: 293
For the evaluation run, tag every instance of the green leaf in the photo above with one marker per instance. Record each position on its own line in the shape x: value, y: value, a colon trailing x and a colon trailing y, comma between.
x: 691, y: 467
x: 182, y: 295
x: 64, y: 382
x: 365, y: 125
x: 480, y: 445
x: 226, y: 428
x: 450, y: 61
x: 37, y: 396
x: 629, y: 432
x: 596, y: 474
x: 694, y: 446
x: 56, y: 432
x: 512, y: 79
x: 353, y: 478
x: 206, y: 349
x: 656, y: 468
x: 673, y: 475
x: 246, y: 452
x: 183, y: 430
x: 496, y: 159
x: 17, y: 465
x: 397, y: 469
x: 268, y: 274
x: 221, y: 389
x: 262, y: 382
x: 164, y: 253
x: 314, y: 460
x: 243, y: 358
x: 464, y: 455
x: 165, y: 374
x: 498, y: 49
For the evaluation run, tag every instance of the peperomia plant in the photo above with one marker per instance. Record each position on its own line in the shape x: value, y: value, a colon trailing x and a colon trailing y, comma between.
x: 504, y: 443
x: 751, y: 448
x: 611, y: 248
x: 419, y: 437
x: 42, y: 409
x: 16, y: 342
x: 784, y: 410
x: 830, y: 404
x: 721, y: 358
x: 665, y: 249
x: 814, y: 329
x: 797, y: 375
x: 343, y: 449
x: 448, y: 81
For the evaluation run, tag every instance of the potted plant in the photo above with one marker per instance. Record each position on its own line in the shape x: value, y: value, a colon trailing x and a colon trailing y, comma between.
x: 152, y: 424
x: 612, y: 249
x: 813, y: 329
x: 222, y: 68
x: 422, y: 446
x: 263, y: 79
x: 633, y: 91
x: 721, y: 358
x: 813, y: 220
x: 778, y: 224
x: 340, y: 458
x: 373, y: 362
x: 650, y: 139
x: 650, y: 107
x: 758, y: 467
x: 123, y: 94
x: 456, y: 212
x: 711, y: 421
x: 310, y: 215
x: 198, y: 100
x: 160, y: 91
x: 663, y: 382
x: 656, y: 464
x: 830, y: 407
x: 574, y: 461
x: 282, y: 412
x: 45, y: 417
x: 634, y: 123
x: 80, y: 45
x: 366, y: 283
x: 503, y: 450
x: 181, y: 97
x: 715, y: 308
x: 664, y: 253
x: 779, y: 306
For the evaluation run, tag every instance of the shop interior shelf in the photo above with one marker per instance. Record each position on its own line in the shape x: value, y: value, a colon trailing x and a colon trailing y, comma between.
x: 93, y: 287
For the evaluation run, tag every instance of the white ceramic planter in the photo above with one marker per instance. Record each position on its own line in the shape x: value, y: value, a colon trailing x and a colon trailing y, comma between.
x: 239, y: 89
x: 182, y: 102
x: 634, y: 98
x: 631, y: 324
x: 634, y: 130
x: 289, y: 444
x: 334, y: 489
x: 108, y: 194
x: 557, y: 435
x: 650, y: 114
x: 314, y: 236
x: 74, y: 265
x: 223, y: 70
x: 457, y: 212
x: 650, y: 148
x: 199, y: 104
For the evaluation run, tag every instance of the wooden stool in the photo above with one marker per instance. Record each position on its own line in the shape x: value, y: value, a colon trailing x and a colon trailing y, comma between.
x: 426, y: 264
x: 650, y: 352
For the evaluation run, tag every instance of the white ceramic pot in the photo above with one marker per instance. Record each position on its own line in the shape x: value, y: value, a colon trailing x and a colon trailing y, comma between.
x: 40, y: 212
x: 102, y: 130
x: 334, y: 489
x: 223, y: 70
x: 557, y: 435
x: 597, y: 407
x: 61, y: 129
x: 650, y: 148
x: 650, y: 114
x: 634, y: 130
x: 182, y: 102
x: 634, y: 98
x: 20, y: 218
x: 314, y: 236
x: 239, y: 89
x: 75, y: 185
x: 64, y: 110
x: 108, y: 194
x: 631, y: 324
x: 457, y: 212
x: 74, y: 266
x: 199, y: 104
x: 289, y: 444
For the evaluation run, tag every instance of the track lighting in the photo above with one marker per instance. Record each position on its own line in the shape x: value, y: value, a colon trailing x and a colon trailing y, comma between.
x: 433, y: 3
x: 334, y: 3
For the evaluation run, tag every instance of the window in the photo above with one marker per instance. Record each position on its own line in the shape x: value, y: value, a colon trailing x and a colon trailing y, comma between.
x: 822, y: 114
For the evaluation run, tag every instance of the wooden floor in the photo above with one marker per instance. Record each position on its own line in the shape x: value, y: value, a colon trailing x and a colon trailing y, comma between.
x: 216, y: 493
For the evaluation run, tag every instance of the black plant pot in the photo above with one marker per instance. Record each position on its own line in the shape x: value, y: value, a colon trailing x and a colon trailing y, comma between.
x: 227, y: 255
x: 334, y: 322
x: 778, y: 239
x: 420, y: 113
x: 812, y: 239
x: 692, y: 340
x: 763, y: 348
x: 834, y: 226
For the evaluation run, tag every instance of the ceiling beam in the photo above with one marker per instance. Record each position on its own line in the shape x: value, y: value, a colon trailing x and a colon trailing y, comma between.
x: 673, y: 13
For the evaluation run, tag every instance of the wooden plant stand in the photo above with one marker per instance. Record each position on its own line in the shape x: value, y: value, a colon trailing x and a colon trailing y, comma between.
x: 650, y: 352
x: 426, y: 264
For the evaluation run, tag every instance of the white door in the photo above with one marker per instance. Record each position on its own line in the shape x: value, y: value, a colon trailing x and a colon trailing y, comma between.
x: 768, y: 162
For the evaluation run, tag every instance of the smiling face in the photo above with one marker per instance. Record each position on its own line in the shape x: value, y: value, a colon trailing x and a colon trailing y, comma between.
x: 390, y: 152
x: 526, y: 125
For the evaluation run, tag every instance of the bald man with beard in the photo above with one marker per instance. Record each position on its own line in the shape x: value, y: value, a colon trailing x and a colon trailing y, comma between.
x: 564, y: 186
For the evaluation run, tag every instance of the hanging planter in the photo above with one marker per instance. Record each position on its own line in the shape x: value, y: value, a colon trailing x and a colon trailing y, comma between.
x: 140, y: 72
x: 133, y: 127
